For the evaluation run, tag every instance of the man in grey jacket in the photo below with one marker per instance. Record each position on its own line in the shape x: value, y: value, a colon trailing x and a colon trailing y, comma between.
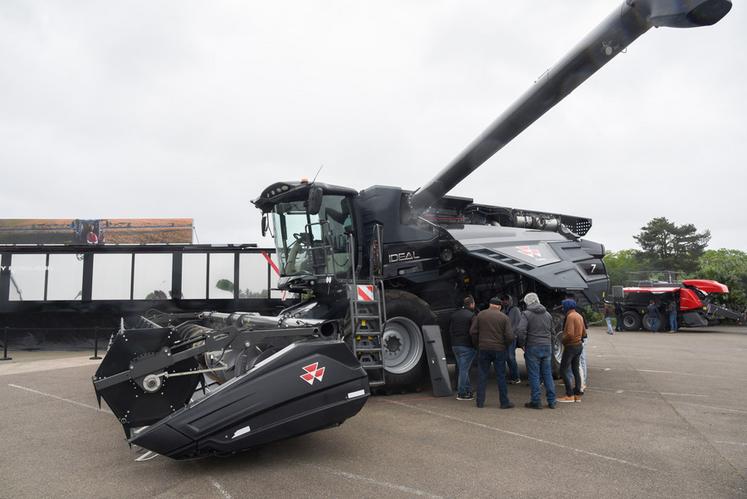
x: 535, y: 335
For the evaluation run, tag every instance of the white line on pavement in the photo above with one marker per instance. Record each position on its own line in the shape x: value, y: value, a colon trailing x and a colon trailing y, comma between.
x: 731, y: 443
x: 394, y: 486
x: 45, y: 365
x: 223, y: 492
x: 618, y: 390
x: 654, y: 371
x: 521, y: 435
x: 74, y: 402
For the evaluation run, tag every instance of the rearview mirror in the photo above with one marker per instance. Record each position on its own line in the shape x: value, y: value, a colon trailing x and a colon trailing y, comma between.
x: 264, y: 225
x: 314, y: 203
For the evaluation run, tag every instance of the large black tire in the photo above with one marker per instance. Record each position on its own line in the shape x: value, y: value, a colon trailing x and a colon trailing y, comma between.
x: 557, y: 343
x: 648, y: 321
x: 404, y: 347
x: 631, y: 320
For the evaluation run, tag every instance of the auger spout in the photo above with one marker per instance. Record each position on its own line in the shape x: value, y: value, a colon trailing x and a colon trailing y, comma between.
x: 626, y: 23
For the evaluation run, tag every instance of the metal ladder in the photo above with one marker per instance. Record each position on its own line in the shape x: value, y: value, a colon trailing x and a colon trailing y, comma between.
x: 368, y: 316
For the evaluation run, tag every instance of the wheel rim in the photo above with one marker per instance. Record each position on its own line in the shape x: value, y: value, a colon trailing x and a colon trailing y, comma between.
x: 628, y: 322
x: 557, y: 348
x: 403, y: 345
x: 557, y: 344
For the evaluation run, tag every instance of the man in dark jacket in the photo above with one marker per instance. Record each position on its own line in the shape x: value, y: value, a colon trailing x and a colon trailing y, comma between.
x: 653, y: 312
x: 514, y: 315
x: 672, y: 310
x: 534, y: 333
x: 491, y: 332
x: 461, y: 345
x: 618, y: 316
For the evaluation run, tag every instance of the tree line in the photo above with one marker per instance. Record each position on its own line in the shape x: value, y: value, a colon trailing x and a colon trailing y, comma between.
x: 666, y: 246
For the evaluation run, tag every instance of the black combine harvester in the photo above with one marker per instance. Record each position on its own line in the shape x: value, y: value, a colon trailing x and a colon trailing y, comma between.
x: 382, y: 269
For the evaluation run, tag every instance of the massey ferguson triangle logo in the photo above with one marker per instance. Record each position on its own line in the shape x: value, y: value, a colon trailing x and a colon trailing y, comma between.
x: 530, y: 252
x: 313, y: 371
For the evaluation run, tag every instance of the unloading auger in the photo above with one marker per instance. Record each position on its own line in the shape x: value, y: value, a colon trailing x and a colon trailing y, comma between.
x: 189, y: 385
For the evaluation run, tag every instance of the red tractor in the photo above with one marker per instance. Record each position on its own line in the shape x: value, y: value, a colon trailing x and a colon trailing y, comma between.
x: 693, y: 298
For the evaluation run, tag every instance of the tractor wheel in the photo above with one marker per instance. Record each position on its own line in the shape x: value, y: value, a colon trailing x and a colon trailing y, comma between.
x: 631, y: 321
x: 557, y: 344
x: 404, y: 348
x: 648, y: 323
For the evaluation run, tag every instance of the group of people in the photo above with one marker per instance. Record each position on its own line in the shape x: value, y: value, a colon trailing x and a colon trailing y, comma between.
x: 654, y: 310
x: 615, y: 311
x: 492, y: 337
x: 669, y: 310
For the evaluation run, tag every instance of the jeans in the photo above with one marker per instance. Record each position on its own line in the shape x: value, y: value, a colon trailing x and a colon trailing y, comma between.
x: 464, y: 358
x: 619, y: 322
x: 673, y: 321
x: 654, y: 324
x: 582, y: 365
x: 513, y: 367
x: 571, y: 356
x: 498, y: 359
x: 609, y: 325
x: 538, y: 360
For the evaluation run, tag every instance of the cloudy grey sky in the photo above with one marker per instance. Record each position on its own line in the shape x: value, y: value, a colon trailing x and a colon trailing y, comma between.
x: 189, y: 109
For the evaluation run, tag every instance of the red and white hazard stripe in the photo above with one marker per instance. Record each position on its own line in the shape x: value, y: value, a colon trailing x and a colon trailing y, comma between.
x: 272, y: 264
x: 365, y: 292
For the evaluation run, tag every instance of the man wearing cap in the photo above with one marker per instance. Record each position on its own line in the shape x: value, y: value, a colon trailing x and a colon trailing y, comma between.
x: 514, y: 315
x: 535, y: 334
x: 573, y: 332
x: 491, y: 332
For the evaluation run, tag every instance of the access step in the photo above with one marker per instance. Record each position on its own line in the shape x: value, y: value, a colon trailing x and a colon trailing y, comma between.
x: 372, y: 366
x: 368, y: 317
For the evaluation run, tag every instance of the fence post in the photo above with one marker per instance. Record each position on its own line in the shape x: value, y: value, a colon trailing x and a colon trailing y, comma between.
x: 5, y: 344
x: 96, y: 345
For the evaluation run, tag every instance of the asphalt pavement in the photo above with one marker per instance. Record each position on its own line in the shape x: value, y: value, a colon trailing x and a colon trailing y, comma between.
x: 664, y: 415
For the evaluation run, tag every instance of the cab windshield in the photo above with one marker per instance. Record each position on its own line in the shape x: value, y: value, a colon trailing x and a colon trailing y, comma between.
x: 313, y: 244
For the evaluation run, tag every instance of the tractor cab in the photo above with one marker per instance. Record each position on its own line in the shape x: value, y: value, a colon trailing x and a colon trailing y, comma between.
x: 311, y: 224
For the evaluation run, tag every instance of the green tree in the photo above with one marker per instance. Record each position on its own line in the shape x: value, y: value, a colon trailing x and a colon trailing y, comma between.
x: 224, y: 285
x: 248, y: 293
x: 156, y: 295
x: 666, y: 245
x: 620, y: 263
x: 728, y: 266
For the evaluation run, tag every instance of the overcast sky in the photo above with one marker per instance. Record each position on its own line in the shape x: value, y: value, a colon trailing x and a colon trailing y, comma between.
x: 189, y: 109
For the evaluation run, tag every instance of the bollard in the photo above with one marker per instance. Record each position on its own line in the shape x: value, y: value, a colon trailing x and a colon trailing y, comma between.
x: 5, y: 344
x: 96, y: 346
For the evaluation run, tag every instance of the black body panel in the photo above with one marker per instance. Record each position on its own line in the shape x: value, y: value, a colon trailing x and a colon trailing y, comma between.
x: 270, y: 402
